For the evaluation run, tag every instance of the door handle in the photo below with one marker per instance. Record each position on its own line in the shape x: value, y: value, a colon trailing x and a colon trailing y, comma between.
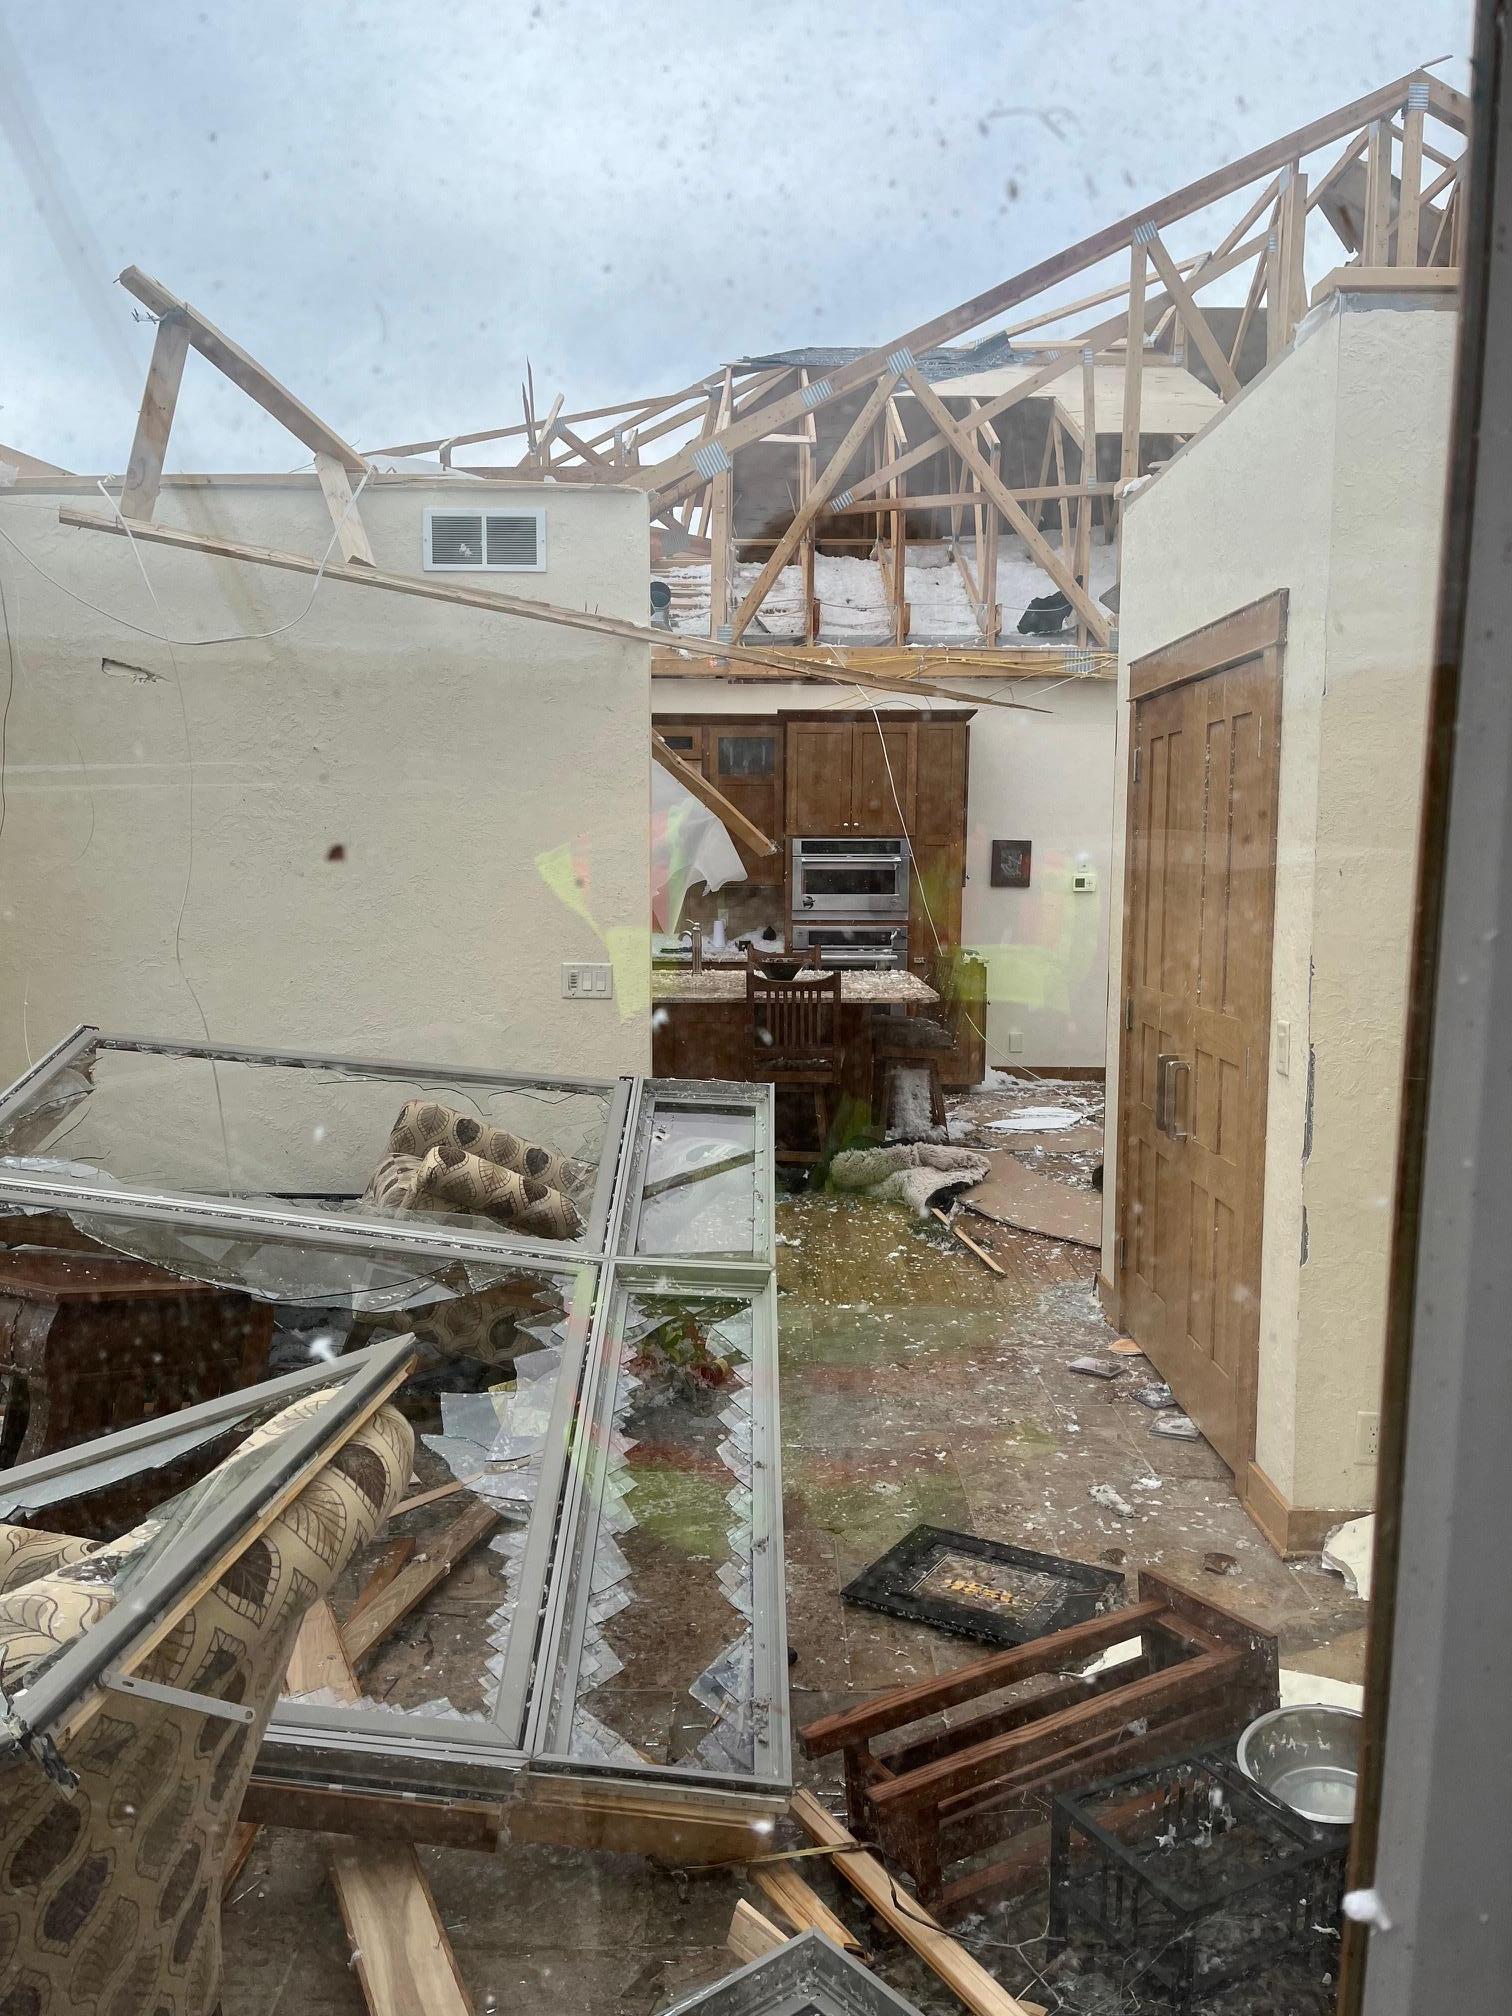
x: 1166, y: 1067
x: 1164, y: 1093
x: 1174, y: 1127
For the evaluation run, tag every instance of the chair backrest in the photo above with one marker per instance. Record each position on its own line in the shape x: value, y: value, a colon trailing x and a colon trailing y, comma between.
x: 793, y: 1022
x: 110, y: 1892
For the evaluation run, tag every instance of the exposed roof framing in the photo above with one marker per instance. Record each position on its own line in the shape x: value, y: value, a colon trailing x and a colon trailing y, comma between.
x: 1388, y: 195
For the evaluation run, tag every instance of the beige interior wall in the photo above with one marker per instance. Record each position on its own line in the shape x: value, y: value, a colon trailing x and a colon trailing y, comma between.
x: 1043, y: 777
x: 1394, y: 386
x: 172, y: 813
x: 1324, y: 479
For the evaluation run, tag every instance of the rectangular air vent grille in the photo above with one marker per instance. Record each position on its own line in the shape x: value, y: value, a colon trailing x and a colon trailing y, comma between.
x: 485, y: 542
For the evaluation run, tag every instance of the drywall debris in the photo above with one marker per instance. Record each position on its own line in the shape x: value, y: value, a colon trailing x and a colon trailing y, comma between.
x: 1108, y: 1498
x: 1348, y: 1551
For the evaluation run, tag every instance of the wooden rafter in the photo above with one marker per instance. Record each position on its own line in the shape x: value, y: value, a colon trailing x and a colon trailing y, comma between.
x: 1192, y: 317
x: 1378, y: 105
x: 965, y: 445
x: 144, y: 470
x: 244, y: 371
x: 813, y: 504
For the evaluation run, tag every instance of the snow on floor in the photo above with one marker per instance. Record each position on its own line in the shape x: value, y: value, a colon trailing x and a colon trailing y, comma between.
x: 852, y: 596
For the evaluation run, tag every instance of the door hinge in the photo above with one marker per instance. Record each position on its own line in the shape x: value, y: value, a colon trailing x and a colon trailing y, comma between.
x: 1137, y: 753
x: 1123, y: 1252
x: 1129, y: 1015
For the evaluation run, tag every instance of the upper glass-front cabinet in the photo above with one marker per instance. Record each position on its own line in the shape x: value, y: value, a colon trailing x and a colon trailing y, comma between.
x: 199, y: 1226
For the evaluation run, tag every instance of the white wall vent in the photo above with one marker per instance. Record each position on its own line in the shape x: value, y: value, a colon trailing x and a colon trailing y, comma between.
x: 485, y: 542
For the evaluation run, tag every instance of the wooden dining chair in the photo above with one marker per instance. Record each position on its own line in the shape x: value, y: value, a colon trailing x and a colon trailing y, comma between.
x: 795, y: 1040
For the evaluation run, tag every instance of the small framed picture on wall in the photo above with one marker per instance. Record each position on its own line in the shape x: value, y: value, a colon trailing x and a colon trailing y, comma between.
x: 1010, y: 864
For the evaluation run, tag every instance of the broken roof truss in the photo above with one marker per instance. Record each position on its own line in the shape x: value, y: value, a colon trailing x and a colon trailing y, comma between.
x: 912, y: 442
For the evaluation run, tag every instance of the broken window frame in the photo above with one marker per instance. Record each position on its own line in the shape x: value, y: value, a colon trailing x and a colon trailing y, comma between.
x: 68, y: 1684
x: 368, y: 1748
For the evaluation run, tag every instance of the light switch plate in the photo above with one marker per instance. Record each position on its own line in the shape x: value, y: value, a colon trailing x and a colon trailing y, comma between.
x: 587, y: 980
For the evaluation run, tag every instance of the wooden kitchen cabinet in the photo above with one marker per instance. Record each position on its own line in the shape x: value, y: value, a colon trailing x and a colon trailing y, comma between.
x: 940, y: 792
x: 838, y: 778
x: 818, y: 778
x: 882, y: 778
x: 743, y: 757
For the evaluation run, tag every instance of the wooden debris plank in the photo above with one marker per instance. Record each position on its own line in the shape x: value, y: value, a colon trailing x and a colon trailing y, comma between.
x: 801, y: 1905
x: 243, y: 1840
x: 318, y: 1659
x: 351, y: 533
x: 144, y: 471
x: 244, y: 371
x: 507, y: 605
x: 413, y: 1584
x: 967, y: 1241
x: 708, y: 795
x: 393, y: 1555
x: 964, y: 1976
x: 400, y: 1952
x: 752, y: 1936
x: 436, y: 1491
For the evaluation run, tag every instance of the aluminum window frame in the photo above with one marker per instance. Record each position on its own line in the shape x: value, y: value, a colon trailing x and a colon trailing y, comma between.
x: 113, y: 1642
x: 332, y: 1230
x: 381, y: 1749
x: 582, y: 1516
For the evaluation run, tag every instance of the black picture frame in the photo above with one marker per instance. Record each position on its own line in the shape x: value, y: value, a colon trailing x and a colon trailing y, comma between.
x: 1010, y: 863
x: 934, y: 1576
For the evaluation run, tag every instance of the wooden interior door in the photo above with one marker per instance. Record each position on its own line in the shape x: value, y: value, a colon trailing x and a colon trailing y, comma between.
x: 1196, y: 1052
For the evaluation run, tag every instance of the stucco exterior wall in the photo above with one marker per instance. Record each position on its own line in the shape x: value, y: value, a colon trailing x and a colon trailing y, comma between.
x: 378, y: 830
x: 1325, y: 479
x: 1046, y: 778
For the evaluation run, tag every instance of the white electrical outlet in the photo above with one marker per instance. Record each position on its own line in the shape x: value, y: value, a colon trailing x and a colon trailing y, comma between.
x: 587, y: 980
x: 1367, y: 1437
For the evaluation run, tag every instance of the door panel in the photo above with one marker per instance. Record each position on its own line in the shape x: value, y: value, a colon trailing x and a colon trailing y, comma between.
x: 818, y: 779
x: 1198, y: 926
x: 876, y: 796
x: 940, y: 757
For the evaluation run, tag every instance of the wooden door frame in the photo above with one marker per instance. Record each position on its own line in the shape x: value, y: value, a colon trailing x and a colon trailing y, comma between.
x: 1244, y: 633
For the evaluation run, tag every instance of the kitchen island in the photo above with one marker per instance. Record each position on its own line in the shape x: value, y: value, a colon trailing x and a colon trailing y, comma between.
x: 860, y: 987
x: 701, y: 1022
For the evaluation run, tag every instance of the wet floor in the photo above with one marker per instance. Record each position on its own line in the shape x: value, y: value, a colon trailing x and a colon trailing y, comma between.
x: 917, y: 1386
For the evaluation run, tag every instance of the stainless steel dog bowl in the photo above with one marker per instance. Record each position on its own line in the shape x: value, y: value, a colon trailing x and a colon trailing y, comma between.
x: 1307, y: 1758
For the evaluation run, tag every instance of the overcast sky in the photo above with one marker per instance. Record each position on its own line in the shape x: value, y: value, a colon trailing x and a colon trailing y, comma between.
x: 393, y: 203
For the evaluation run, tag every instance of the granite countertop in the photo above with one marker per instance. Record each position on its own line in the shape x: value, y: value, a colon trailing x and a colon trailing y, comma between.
x: 860, y: 987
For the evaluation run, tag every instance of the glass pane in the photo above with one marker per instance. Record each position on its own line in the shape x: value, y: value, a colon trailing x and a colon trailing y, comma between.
x: 662, y: 1587
x: 435, y: 1644
x: 747, y: 755
x: 519, y: 1159
x: 700, y: 1184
